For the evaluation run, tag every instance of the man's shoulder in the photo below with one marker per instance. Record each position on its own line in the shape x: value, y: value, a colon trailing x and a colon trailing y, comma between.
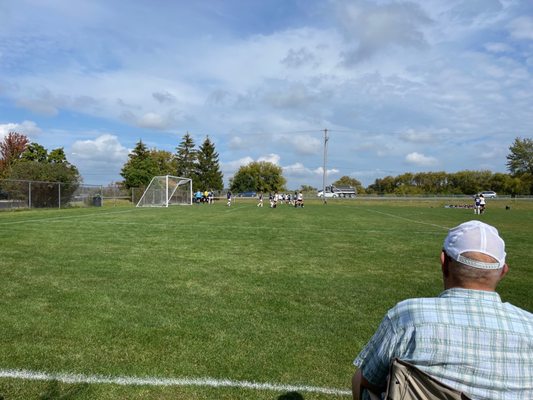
x: 416, y: 302
x: 462, y: 309
x: 518, y: 313
x: 413, y: 308
x: 448, y: 298
x: 425, y: 309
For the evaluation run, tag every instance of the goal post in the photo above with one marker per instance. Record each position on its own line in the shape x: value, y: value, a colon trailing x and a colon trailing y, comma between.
x: 167, y: 190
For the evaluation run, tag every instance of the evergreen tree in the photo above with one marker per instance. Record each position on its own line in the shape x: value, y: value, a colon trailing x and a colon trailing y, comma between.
x: 520, y: 158
x: 208, y: 174
x: 140, y: 167
x: 520, y: 161
x: 186, y: 158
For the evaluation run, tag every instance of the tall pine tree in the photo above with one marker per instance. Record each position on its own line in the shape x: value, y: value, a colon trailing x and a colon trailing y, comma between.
x: 208, y: 174
x: 140, y: 167
x: 186, y: 158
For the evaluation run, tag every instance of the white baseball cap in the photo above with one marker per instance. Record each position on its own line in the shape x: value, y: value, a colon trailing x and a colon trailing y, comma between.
x: 478, y: 237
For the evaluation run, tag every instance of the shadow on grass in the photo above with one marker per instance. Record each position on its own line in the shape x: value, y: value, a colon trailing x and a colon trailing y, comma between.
x: 54, y: 392
x: 291, y: 396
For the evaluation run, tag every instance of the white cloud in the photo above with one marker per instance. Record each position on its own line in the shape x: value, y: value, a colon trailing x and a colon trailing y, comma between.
x: 42, y: 106
x: 28, y: 128
x: 522, y: 28
x: 298, y: 58
x: 99, y: 160
x: 294, y: 96
x: 498, y: 47
x: 259, y: 61
x: 241, y: 143
x: 417, y: 137
x: 303, y: 144
x: 419, y: 71
x: 271, y: 158
x: 105, y: 148
x: 153, y: 120
x: 230, y: 167
x: 320, y: 171
x: 299, y: 170
x: 420, y: 159
x: 164, y: 97
x: 236, y: 143
x: 220, y: 98
x: 371, y: 28
x: 164, y: 120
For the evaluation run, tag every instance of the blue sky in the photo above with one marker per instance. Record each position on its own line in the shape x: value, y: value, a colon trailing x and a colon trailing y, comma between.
x: 402, y: 86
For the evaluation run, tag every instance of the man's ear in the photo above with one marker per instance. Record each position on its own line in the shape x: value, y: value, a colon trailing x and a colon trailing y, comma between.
x: 444, y: 263
x: 505, y: 269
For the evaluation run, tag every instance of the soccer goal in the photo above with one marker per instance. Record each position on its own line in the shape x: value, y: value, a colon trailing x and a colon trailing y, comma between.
x: 168, y: 190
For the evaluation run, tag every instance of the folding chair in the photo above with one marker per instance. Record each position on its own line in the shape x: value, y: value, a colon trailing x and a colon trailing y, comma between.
x: 407, y: 382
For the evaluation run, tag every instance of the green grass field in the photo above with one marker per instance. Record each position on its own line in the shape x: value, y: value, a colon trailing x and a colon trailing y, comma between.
x: 274, y: 296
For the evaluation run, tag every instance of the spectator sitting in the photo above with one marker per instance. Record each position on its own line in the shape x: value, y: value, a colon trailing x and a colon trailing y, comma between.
x: 466, y: 338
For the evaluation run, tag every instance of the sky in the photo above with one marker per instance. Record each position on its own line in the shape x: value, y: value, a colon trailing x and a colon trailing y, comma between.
x: 400, y: 86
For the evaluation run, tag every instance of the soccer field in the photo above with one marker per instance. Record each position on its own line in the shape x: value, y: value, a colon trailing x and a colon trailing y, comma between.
x: 211, y: 302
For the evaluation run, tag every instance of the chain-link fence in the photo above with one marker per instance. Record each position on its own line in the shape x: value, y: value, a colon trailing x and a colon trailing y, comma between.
x: 117, y: 195
x: 38, y: 194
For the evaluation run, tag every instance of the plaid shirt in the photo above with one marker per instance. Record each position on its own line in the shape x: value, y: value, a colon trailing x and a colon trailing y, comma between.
x: 467, y: 339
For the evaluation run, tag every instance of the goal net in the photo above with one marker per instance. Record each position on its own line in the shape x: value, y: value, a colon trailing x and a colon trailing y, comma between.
x: 168, y: 190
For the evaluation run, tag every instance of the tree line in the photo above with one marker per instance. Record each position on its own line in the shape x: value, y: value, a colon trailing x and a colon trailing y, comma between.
x: 267, y: 177
x: 461, y: 182
x: 519, y: 181
x: 20, y: 159
x: 201, y: 165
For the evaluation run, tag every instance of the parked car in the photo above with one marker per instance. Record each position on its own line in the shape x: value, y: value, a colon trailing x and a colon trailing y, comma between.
x: 328, y: 194
x: 247, y: 194
x: 338, y: 191
x: 488, y: 194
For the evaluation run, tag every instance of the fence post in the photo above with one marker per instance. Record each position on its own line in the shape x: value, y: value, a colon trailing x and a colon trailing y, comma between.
x: 59, y: 189
x: 29, y: 194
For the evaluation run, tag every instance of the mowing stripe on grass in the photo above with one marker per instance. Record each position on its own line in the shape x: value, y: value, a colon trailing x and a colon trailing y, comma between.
x: 409, y: 219
x: 152, y: 381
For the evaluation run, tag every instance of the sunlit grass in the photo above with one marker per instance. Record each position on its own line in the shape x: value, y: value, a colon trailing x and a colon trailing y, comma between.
x: 284, y: 295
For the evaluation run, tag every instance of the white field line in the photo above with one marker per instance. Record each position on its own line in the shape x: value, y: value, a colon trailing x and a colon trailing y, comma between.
x: 228, y: 209
x: 409, y: 219
x: 152, y: 381
x: 65, y: 217
x: 239, y: 227
x: 235, y: 207
x: 257, y: 228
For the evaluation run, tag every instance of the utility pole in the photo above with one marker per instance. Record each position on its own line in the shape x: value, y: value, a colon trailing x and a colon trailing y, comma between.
x: 325, y: 173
